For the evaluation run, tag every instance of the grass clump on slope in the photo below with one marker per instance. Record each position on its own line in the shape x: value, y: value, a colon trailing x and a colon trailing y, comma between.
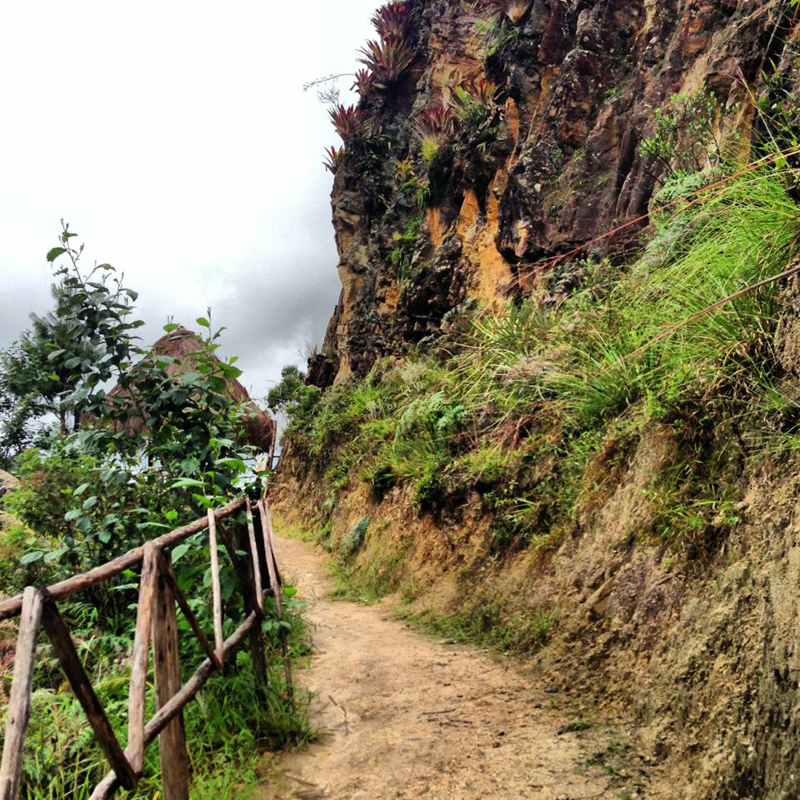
x: 650, y: 337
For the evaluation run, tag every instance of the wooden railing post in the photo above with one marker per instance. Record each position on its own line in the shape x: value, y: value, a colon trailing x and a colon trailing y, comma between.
x: 19, y: 705
x: 275, y: 583
x: 252, y: 594
x: 166, y: 658
x: 254, y: 557
x: 216, y: 591
x: 141, y: 647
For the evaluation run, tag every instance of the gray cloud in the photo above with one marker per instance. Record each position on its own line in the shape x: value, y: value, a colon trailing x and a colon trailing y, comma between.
x: 180, y: 145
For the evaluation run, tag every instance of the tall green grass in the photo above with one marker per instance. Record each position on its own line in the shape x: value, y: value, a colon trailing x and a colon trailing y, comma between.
x: 516, y: 404
x: 649, y: 337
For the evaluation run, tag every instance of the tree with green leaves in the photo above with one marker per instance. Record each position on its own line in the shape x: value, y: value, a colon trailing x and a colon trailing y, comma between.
x: 285, y: 393
x: 293, y: 398
x: 69, y: 352
x: 171, y: 431
x: 16, y: 417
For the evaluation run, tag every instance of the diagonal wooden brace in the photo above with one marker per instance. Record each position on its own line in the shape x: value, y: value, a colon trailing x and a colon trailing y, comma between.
x: 81, y: 685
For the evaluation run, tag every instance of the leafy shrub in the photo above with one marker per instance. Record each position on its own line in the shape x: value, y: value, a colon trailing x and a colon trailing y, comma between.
x: 293, y: 398
x: 684, y: 139
x: 81, y: 512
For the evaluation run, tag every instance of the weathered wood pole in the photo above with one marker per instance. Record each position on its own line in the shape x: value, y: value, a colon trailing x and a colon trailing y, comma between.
x: 216, y: 591
x: 254, y: 556
x: 275, y: 582
x: 141, y: 647
x: 82, y: 687
x: 252, y: 594
x: 166, y: 659
x: 19, y: 705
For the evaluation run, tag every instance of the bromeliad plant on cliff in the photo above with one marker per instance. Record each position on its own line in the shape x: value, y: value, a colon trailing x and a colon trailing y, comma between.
x: 363, y: 82
x: 432, y: 127
x: 392, y: 21
x: 388, y: 59
x: 474, y: 100
x: 333, y: 158
x: 385, y: 62
x: 347, y: 120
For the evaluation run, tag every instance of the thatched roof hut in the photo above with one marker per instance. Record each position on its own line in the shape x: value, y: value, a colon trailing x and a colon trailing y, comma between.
x: 180, y: 345
x: 8, y: 483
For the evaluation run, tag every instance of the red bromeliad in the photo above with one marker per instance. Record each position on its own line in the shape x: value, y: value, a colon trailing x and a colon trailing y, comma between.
x: 471, y: 93
x: 346, y: 119
x: 391, y: 21
x: 387, y: 61
x: 432, y: 126
x: 363, y: 81
x: 333, y: 158
x: 433, y: 122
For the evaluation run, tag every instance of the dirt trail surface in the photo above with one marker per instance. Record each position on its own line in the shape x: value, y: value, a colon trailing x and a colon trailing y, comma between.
x: 406, y: 716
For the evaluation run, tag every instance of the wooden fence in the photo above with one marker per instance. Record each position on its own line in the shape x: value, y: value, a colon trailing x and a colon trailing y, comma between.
x: 156, y: 620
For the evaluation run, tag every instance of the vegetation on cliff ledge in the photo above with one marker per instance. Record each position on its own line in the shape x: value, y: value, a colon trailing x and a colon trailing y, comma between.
x: 535, y: 409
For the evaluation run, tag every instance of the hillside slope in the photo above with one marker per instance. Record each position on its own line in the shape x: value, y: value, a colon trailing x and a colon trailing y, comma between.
x: 557, y: 405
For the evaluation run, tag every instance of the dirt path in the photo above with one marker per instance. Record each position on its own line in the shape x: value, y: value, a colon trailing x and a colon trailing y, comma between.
x: 405, y: 716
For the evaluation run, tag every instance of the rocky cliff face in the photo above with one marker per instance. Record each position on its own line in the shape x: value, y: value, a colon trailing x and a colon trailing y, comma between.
x: 697, y: 649
x: 557, y: 164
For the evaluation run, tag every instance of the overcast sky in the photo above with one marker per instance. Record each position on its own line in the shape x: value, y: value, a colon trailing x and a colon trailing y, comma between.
x: 176, y: 139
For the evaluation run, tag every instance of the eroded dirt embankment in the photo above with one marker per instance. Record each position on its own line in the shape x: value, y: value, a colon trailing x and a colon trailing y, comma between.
x: 407, y: 716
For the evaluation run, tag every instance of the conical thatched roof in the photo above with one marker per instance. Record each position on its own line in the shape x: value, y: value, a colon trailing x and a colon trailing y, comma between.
x: 180, y: 344
x: 7, y: 482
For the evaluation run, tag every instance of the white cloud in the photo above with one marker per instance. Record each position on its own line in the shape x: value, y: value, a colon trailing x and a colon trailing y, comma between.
x: 177, y: 140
